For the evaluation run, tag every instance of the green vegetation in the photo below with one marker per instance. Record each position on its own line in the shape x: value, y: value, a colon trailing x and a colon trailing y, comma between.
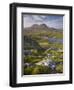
x: 38, y: 46
x: 32, y: 59
x: 38, y: 69
x: 59, y: 68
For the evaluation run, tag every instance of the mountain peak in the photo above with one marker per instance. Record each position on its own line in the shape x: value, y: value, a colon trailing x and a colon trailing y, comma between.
x: 39, y: 26
x: 43, y: 25
x: 35, y: 25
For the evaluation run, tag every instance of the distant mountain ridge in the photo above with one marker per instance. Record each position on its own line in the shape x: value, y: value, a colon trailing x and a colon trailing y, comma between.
x: 37, y: 26
x: 41, y: 27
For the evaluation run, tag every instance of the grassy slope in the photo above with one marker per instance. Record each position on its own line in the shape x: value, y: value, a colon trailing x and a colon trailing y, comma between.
x: 38, y: 35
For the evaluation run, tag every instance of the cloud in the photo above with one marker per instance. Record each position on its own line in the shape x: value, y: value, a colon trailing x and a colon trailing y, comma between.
x: 54, y: 21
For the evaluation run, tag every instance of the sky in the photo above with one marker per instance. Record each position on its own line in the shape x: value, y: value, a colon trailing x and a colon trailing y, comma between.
x: 55, y: 21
